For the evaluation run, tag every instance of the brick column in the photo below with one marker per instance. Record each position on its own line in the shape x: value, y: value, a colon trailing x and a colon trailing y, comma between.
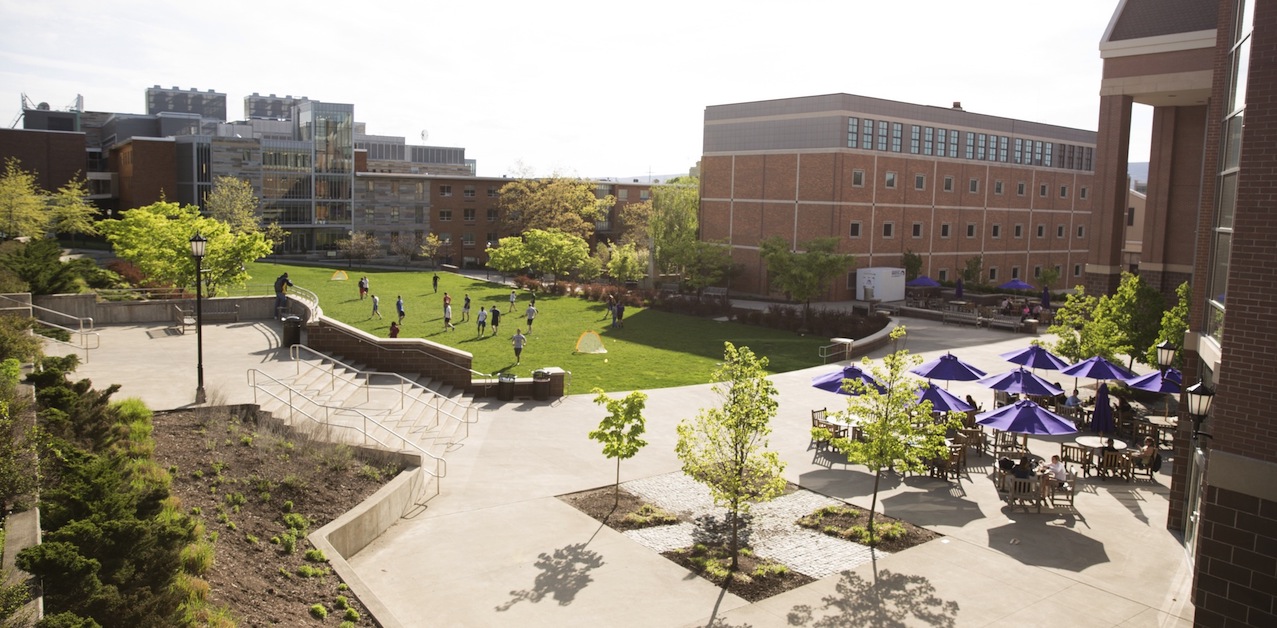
x: 1108, y: 226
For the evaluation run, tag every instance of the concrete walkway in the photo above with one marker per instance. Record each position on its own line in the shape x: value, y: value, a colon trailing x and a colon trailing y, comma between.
x: 496, y: 547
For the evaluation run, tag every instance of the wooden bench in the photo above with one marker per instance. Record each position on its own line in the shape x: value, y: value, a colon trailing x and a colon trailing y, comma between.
x: 182, y: 320
x: 220, y: 312
x: 960, y: 318
x: 714, y: 293
x: 1005, y: 322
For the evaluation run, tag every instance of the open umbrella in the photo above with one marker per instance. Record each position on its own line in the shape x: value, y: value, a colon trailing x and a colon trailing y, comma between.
x: 923, y: 281
x: 1102, y: 418
x: 832, y: 381
x: 1035, y: 357
x: 949, y: 368
x: 1021, y: 381
x: 957, y: 290
x: 1157, y: 382
x: 1025, y: 417
x: 942, y: 400
x: 1097, y: 368
x: 1015, y: 284
x: 1046, y: 298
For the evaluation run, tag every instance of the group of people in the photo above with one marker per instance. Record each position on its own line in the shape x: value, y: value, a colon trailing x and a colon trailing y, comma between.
x: 616, y: 309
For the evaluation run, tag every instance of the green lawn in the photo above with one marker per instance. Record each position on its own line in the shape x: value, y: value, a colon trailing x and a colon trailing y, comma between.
x: 655, y: 349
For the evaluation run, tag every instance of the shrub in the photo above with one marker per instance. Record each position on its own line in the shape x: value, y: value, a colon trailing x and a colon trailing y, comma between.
x: 351, y: 615
x: 341, y: 603
x: 316, y: 556
x: 318, y: 611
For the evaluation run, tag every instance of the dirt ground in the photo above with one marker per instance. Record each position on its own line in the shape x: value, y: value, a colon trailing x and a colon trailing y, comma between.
x: 241, y: 479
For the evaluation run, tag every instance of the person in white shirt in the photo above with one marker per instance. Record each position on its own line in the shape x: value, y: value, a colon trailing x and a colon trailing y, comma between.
x: 1057, y: 470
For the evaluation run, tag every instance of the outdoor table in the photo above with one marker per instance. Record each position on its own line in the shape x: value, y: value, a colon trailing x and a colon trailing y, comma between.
x: 959, y: 305
x: 1096, y: 442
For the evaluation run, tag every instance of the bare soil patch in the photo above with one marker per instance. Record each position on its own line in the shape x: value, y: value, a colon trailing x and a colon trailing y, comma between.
x: 241, y: 479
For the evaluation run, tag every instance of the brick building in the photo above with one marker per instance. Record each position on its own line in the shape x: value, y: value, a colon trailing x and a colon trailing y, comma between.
x: 1206, y: 66
x: 888, y: 177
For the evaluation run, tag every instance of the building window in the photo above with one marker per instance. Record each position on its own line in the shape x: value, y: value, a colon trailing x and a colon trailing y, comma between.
x: 445, y: 215
x: 1042, y: 190
x: 1015, y: 272
x: 1019, y: 188
x: 858, y: 178
x: 867, y: 135
x: 1081, y: 231
x: 948, y: 184
x: 919, y: 181
x: 643, y: 195
x: 1019, y: 231
x: 855, y: 230
x: 445, y: 238
x: 915, y: 139
x: 1059, y: 231
x: 943, y: 275
x: 1037, y: 272
x: 394, y: 214
x: 970, y: 152
x: 917, y: 230
x: 468, y: 214
x: 882, y: 135
x: 1130, y: 216
x: 492, y: 214
x: 369, y: 214
x: 1041, y: 231
x: 853, y: 132
x: 997, y: 231
x: 1081, y: 193
x: 1077, y: 270
x: 940, y: 142
x: 997, y: 187
x: 944, y: 230
x: 468, y: 192
x: 420, y: 191
x: 928, y: 141
x: 492, y: 239
x: 993, y: 274
x: 492, y: 191
x: 445, y: 190
x: 897, y: 132
x: 467, y: 239
x: 974, y: 186
x: 622, y: 194
x: 971, y: 230
x: 888, y: 229
x: 1064, y: 191
x: 890, y: 180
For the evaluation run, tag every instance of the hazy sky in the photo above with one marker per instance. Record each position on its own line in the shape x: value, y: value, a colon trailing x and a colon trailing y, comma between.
x: 597, y: 89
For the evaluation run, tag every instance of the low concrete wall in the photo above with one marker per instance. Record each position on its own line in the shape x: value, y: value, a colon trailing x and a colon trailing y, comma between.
x: 396, y: 355
x: 154, y: 311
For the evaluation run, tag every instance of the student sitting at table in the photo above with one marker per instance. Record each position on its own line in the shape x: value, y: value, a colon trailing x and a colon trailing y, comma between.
x: 1147, y: 453
x: 1073, y: 401
x: 1057, y: 471
x: 1022, y: 469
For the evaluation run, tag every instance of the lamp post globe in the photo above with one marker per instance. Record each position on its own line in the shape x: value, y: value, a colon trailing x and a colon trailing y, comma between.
x: 1166, y: 354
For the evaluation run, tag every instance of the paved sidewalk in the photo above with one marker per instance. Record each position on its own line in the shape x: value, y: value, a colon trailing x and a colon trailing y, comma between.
x: 1109, y: 562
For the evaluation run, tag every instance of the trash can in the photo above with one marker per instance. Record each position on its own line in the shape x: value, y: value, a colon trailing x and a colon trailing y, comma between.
x: 292, y: 331
x: 541, y: 385
x: 505, y: 387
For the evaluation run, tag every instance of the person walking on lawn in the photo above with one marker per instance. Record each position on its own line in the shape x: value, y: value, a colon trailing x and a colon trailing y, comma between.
x: 376, y: 307
x: 435, y: 282
x: 495, y: 318
x: 399, y: 308
x: 518, y: 339
x: 530, y: 314
x: 482, y: 318
x: 465, y: 308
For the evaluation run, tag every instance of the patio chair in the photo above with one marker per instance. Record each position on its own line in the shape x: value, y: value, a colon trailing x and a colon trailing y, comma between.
x: 1062, y: 493
x: 1006, y: 444
x: 1024, y: 491
x: 974, y: 438
x: 1078, y: 455
x: 1115, y: 463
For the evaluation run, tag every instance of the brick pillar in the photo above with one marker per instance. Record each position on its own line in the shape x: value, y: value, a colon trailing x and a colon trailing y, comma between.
x: 1108, y: 226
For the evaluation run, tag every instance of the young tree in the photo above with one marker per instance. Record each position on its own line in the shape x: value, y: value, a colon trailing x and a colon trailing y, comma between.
x: 1174, y: 324
x: 897, y: 430
x: 673, y: 223
x: 569, y: 205
x: 621, y: 431
x: 553, y: 251
x: 22, y: 207
x: 912, y: 263
x: 804, y: 275
x: 39, y: 264
x: 634, y: 223
x: 508, y: 256
x: 1049, y: 277
x: 725, y: 448
x: 626, y: 263
x: 360, y: 246
x: 156, y: 238
x: 973, y: 270
x: 72, y: 212
x: 232, y: 201
x: 431, y: 246
x: 1082, y: 333
x: 404, y: 247
x: 1136, y: 310
x: 704, y: 264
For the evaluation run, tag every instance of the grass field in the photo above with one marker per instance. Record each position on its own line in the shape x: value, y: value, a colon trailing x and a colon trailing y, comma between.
x: 655, y: 349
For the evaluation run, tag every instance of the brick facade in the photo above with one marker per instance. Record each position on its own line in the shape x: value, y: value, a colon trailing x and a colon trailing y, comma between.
x: 1236, y: 583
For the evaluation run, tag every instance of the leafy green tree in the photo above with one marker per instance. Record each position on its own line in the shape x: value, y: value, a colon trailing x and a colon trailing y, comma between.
x: 1174, y: 325
x: 1049, y: 277
x: 568, y: 205
x: 17, y: 341
x: 898, y: 431
x: 704, y: 264
x: 1136, y: 310
x: 431, y: 246
x: 973, y: 270
x: 509, y: 255
x: 554, y: 251
x: 912, y: 263
x: 626, y: 263
x: 804, y: 275
x: 232, y: 201
x: 725, y: 448
x: 22, y: 204
x: 634, y: 223
x: 156, y: 238
x: 71, y: 210
x: 39, y: 264
x: 1082, y: 333
x: 621, y: 431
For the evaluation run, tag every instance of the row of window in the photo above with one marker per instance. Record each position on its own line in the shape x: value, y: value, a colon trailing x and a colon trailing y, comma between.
x: 467, y: 238
x: 882, y: 135
x: 920, y: 184
x: 467, y: 192
x: 467, y: 214
x: 889, y: 230
x: 942, y: 274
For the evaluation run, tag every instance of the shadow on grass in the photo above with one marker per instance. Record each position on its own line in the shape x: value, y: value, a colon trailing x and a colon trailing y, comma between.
x: 703, y: 337
x: 889, y: 599
x: 564, y: 573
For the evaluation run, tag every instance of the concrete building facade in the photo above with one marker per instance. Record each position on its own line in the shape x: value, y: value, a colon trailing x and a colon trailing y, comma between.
x: 888, y: 178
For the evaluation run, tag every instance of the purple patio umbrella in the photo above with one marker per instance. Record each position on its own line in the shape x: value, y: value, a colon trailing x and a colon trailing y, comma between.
x: 1015, y: 284
x: 942, y: 400
x: 957, y: 290
x: 1102, y: 418
x: 1097, y: 368
x: 923, y: 281
x: 1021, y: 381
x: 832, y: 381
x: 1046, y: 298
x: 1157, y: 382
x: 1025, y: 417
x: 949, y: 368
x: 1035, y: 357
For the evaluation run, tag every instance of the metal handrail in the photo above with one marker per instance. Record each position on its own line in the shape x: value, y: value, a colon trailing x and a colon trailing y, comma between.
x: 441, y: 465
x: 81, y: 320
x: 84, y: 336
x: 436, y: 396
x: 332, y: 384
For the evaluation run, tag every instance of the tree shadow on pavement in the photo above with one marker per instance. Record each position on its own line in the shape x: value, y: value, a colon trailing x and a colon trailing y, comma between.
x: 564, y: 573
x: 889, y: 599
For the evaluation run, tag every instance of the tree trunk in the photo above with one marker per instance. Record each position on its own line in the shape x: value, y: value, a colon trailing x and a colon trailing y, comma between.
x: 735, y: 545
x: 616, y: 492
x: 874, y: 506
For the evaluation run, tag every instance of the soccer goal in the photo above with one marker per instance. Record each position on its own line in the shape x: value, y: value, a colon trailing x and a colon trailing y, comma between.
x: 339, y: 276
x: 590, y: 342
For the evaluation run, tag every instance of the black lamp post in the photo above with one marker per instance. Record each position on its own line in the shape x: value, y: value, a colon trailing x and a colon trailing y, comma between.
x: 197, y: 251
x: 1200, y: 397
x: 1165, y: 355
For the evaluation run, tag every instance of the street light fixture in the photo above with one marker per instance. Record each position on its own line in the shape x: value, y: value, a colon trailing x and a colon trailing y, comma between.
x: 1200, y: 396
x: 198, y: 244
x: 1165, y: 355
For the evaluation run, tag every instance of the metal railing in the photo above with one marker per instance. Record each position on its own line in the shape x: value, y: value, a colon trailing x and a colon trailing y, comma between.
x: 467, y: 413
x: 291, y: 397
x: 89, y: 339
